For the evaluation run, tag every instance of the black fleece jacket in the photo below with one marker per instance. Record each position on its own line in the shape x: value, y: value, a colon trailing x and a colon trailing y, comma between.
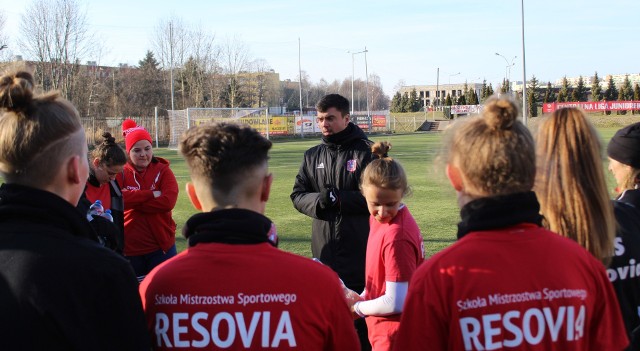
x: 339, y: 234
x: 59, y: 289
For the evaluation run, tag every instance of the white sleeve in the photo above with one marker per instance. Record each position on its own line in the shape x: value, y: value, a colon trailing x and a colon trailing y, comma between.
x: 389, y: 303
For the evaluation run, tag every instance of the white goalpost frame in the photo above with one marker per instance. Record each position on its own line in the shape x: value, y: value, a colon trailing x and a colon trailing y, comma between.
x: 191, y: 115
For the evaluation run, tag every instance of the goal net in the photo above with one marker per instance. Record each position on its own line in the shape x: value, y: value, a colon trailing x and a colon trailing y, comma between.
x: 181, y: 120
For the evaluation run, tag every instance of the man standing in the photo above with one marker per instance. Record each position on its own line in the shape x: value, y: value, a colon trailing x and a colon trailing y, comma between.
x: 327, y: 190
x: 232, y: 288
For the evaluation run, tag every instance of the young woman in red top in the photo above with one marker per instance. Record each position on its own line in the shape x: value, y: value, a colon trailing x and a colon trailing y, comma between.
x: 106, y: 161
x: 394, y: 249
x: 150, y: 192
x: 507, y: 282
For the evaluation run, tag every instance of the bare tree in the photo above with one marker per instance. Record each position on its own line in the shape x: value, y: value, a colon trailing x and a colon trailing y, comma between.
x: 4, y: 40
x: 235, y: 60
x: 171, y: 49
x: 201, y: 68
x: 55, y: 34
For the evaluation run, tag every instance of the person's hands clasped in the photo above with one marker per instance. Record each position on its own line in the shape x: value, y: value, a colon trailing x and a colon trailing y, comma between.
x: 328, y: 197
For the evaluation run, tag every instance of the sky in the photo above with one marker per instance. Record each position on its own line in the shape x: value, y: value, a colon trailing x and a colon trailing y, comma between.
x: 406, y: 41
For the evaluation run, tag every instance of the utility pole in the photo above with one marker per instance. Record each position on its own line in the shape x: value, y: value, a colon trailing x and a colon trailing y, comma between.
x: 171, y: 59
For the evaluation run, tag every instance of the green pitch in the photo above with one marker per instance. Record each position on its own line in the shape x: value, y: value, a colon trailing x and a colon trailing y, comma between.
x: 432, y: 202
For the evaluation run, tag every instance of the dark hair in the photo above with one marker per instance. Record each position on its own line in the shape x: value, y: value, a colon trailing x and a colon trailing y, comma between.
x: 333, y: 100
x: 221, y: 153
x: 384, y: 172
x: 494, y: 152
x: 36, y: 132
x: 108, y: 152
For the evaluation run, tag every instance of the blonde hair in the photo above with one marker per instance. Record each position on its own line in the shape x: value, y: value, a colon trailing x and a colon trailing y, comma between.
x: 494, y: 152
x: 630, y: 181
x: 36, y: 132
x: 570, y: 182
x: 384, y: 172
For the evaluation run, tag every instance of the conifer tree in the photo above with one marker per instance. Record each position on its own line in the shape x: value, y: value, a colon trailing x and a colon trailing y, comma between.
x: 596, y: 90
x: 395, y: 102
x: 473, y: 98
x: 611, y: 94
x: 563, y: 94
x: 404, y: 103
x: 448, y: 101
x: 580, y: 91
x: 414, y: 102
x: 532, y: 96
x: 483, y: 92
x: 628, y: 89
x: 490, y: 91
x: 549, y: 95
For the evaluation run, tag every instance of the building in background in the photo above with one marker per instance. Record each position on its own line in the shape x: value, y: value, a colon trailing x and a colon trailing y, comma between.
x: 430, y: 95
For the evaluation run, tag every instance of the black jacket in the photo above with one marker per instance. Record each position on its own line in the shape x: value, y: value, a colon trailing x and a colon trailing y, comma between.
x: 339, y: 234
x: 117, y: 212
x: 624, y: 271
x: 59, y: 289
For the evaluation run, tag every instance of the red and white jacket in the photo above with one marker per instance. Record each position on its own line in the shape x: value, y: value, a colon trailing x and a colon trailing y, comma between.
x: 148, y: 224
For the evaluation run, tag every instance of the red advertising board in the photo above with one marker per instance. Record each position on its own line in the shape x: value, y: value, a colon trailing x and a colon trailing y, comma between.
x: 379, y: 121
x: 593, y: 106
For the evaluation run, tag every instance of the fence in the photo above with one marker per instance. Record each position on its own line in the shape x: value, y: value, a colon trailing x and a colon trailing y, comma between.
x: 95, y: 126
x: 160, y: 127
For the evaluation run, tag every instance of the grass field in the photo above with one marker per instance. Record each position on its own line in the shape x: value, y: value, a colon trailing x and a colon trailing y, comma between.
x: 432, y: 202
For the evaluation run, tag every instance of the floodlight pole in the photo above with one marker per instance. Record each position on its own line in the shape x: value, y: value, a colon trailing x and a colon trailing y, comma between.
x: 353, y: 54
x: 300, y: 87
x: 171, y: 58
x: 435, y: 97
x: 524, y: 71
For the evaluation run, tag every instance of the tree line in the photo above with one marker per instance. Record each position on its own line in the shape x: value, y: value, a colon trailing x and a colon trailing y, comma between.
x: 200, y: 69
x: 409, y: 101
x: 581, y: 93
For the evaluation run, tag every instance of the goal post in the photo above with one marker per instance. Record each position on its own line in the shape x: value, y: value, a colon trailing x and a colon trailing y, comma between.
x: 181, y: 120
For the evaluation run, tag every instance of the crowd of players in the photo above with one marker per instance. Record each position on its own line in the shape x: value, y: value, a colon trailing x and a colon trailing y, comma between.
x: 544, y: 260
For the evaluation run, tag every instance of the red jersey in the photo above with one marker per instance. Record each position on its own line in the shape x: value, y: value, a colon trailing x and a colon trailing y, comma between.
x: 394, y: 251
x: 240, y: 297
x: 102, y: 193
x: 521, y: 287
x: 148, y: 225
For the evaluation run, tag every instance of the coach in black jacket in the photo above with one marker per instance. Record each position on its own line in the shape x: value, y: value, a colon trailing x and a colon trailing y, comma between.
x: 327, y: 189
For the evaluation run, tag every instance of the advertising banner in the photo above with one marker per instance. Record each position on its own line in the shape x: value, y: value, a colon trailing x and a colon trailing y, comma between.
x: 466, y: 109
x: 306, y: 124
x: 379, y: 121
x: 593, y: 106
x: 361, y: 121
x: 277, y: 125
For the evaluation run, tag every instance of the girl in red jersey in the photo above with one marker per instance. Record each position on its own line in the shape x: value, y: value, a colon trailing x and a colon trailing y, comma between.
x: 507, y: 282
x: 150, y: 192
x: 394, y: 249
x: 105, y: 162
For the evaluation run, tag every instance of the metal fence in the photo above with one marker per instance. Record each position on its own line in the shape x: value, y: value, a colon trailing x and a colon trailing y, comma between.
x: 160, y: 127
x: 94, y: 127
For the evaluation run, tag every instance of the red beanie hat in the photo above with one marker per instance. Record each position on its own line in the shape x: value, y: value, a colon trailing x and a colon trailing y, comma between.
x: 133, y: 133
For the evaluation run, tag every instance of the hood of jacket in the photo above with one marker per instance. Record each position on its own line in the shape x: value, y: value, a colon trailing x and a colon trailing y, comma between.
x: 631, y: 197
x: 22, y: 204
x: 350, y: 134
x: 228, y: 226
x: 501, y: 211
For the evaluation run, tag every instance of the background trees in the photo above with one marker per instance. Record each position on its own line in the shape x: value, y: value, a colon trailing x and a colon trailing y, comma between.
x: 596, y: 90
x: 55, y: 33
